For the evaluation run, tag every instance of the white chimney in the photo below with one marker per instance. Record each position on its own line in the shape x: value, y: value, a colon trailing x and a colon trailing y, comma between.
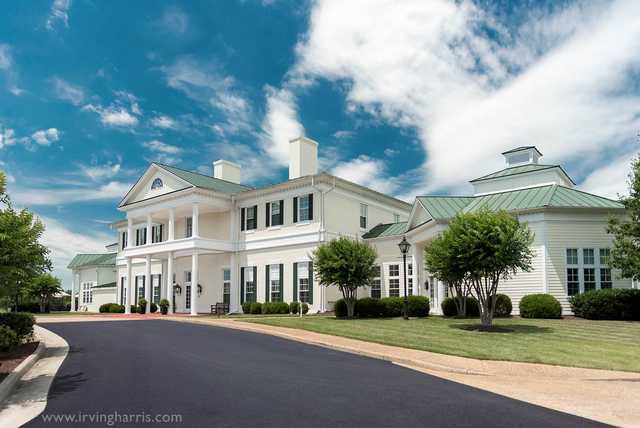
x: 225, y: 170
x: 303, y: 157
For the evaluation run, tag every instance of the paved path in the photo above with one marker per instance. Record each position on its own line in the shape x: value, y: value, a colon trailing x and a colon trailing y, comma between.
x: 221, y: 377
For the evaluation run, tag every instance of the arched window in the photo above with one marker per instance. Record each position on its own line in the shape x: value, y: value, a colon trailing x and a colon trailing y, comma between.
x: 157, y: 183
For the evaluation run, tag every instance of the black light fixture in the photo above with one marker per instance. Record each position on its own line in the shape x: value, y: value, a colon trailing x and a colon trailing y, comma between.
x: 199, y: 289
x: 404, y: 249
x: 177, y: 289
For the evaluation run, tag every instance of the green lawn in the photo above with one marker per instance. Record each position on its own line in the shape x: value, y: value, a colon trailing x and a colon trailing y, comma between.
x: 569, y: 342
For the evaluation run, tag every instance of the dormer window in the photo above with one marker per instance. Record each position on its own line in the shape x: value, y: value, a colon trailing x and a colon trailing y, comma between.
x: 157, y: 184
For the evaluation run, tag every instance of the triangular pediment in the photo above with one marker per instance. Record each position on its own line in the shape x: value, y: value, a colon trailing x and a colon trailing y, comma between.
x: 418, y: 216
x: 165, y: 182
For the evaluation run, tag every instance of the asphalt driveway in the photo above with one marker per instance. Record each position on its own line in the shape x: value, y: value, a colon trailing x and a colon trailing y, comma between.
x: 216, y: 377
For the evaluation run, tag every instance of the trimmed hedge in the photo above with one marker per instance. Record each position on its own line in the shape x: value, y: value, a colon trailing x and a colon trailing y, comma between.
x: 368, y: 307
x: 110, y: 308
x: 246, y: 307
x: 419, y: 306
x: 387, y: 307
x: 8, y: 339
x: 142, y: 306
x: 540, y: 306
x: 448, y: 306
x: 607, y: 304
x: 340, y: 308
x: 116, y: 309
x: 275, y: 308
x: 153, y: 308
x: 503, y: 306
x: 255, y: 308
x: 134, y: 309
x: 20, y: 322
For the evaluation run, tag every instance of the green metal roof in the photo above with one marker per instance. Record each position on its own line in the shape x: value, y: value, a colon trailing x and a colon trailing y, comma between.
x: 443, y: 207
x: 205, y: 181
x: 522, y: 169
x: 107, y: 285
x: 382, y: 230
x: 521, y: 148
x: 80, y: 260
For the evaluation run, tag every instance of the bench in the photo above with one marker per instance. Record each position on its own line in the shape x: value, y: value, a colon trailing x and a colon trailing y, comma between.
x: 220, y: 309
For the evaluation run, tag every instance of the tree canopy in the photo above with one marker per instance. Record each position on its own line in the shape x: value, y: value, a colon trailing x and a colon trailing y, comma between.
x: 347, y: 264
x: 43, y: 288
x: 625, y: 254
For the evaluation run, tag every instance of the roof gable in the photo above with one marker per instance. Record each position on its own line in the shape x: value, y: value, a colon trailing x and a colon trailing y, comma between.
x: 83, y: 260
x: 205, y: 181
x: 521, y: 169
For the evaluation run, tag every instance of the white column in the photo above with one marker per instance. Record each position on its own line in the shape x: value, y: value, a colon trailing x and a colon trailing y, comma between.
x: 169, y: 290
x: 194, y: 221
x: 194, y: 283
x: 73, y: 292
x: 130, y: 282
x: 147, y: 281
x: 234, y: 302
x: 172, y: 221
x: 129, y: 232
x: 149, y: 229
x: 417, y: 270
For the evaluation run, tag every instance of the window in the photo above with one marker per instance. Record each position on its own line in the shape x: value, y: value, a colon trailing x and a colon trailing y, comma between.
x: 275, y: 214
x: 572, y: 256
x: 249, y: 285
x: 187, y: 276
x: 140, y: 280
x: 396, y: 218
x: 363, y: 216
x: 605, y: 278
x: 410, y: 269
x: 589, y: 279
x: 87, y: 293
x: 187, y: 297
x: 125, y: 238
x: 156, y: 233
x: 303, y: 208
x: 123, y: 290
x: 155, y: 280
x: 394, y: 280
x: 274, y: 283
x: 249, y: 218
x: 409, y: 279
x: 188, y: 227
x: 394, y: 270
x: 588, y: 257
x: 605, y: 256
x: 303, y: 282
x: 376, y: 291
x: 586, y: 272
x: 226, y: 286
x: 141, y: 236
x: 157, y: 184
x: 573, y: 281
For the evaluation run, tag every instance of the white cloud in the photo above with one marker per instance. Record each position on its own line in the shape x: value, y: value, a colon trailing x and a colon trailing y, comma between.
x: 367, y: 172
x: 343, y: 134
x: 113, y: 116
x: 5, y: 57
x: 29, y: 197
x: 7, y: 137
x: 16, y: 90
x: 471, y: 86
x: 164, y: 122
x: 100, y: 172
x: 68, y: 92
x: 159, y: 146
x: 59, y: 14
x: 174, y: 20
x: 280, y: 124
x: 610, y: 180
x: 65, y: 244
x: 46, y: 137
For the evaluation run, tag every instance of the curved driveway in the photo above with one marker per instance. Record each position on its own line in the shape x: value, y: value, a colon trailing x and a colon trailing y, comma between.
x: 216, y: 377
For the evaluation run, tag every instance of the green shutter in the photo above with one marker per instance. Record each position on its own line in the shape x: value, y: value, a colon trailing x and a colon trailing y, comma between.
x: 241, y: 285
x: 310, y: 206
x: 281, y: 211
x: 295, y: 282
x: 255, y: 280
x: 242, y: 214
x: 295, y: 209
x: 267, y: 217
x: 281, y: 283
x: 310, y: 283
x: 266, y: 282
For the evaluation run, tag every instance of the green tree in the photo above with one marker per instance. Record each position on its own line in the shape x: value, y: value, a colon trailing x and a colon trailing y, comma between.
x: 347, y: 264
x: 625, y: 254
x: 490, y: 246
x: 441, y: 261
x: 43, y: 288
x: 3, y: 188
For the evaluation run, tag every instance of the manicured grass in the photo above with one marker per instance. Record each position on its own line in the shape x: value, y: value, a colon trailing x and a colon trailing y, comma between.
x: 613, y: 345
x: 63, y: 313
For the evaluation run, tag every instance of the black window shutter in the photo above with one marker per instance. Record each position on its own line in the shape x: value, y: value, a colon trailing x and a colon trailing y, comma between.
x: 267, y: 219
x: 242, y: 285
x: 281, y: 211
x: 281, y: 294
x: 295, y: 209
x: 255, y: 217
x: 310, y: 206
x: 161, y: 235
x: 255, y: 283
x: 295, y: 282
x: 311, y: 283
x: 266, y: 282
x: 242, y: 218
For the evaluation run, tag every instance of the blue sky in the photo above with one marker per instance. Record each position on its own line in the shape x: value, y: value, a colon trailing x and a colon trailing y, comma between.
x: 406, y: 97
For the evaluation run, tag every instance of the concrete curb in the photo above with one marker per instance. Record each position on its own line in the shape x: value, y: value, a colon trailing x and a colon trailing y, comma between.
x: 10, y: 381
x: 405, y: 362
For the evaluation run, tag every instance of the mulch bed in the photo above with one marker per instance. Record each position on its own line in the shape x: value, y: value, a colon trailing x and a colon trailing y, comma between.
x: 11, y: 360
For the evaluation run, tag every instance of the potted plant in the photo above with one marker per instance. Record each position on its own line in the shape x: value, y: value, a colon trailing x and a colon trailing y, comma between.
x: 142, y: 306
x: 164, y: 306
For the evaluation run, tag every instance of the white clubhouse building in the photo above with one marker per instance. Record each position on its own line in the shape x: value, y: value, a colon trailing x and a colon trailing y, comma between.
x: 198, y: 240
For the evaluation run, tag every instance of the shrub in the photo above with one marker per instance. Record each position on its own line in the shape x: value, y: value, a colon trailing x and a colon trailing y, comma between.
x: 418, y: 306
x: 32, y: 307
x: 608, y: 304
x: 294, y: 308
x: 368, y: 307
x: 540, y: 306
x: 116, y: 309
x: 305, y: 308
x: 20, y: 322
x: 134, y: 309
x: 392, y: 306
x: 153, y: 308
x: 340, y: 308
x: 281, y: 308
x: 267, y: 308
x: 255, y: 308
x: 8, y: 339
x: 164, y: 306
x: 448, y: 306
x: 246, y: 307
x: 503, y: 306
x: 142, y: 306
x: 105, y: 308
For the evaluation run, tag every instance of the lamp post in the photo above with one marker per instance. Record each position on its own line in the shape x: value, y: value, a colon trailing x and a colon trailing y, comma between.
x: 404, y: 249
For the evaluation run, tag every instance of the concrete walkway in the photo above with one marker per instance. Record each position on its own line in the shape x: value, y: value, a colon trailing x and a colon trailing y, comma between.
x: 29, y: 397
x: 608, y: 396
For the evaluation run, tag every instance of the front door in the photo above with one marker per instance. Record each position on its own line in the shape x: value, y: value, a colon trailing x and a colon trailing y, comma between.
x: 155, y: 289
x: 187, y: 297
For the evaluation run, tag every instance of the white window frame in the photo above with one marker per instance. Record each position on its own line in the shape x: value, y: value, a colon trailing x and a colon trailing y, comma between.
x: 226, y: 283
x: 248, y: 270
x: 377, y: 281
x: 303, y: 292
x: 253, y: 208
x: 393, y: 277
x: 364, y: 215
x: 273, y: 204
x: 307, y: 197
x: 275, y: 280
x: 597, y: 267
x: 188, y: 227
x: 87, y: 292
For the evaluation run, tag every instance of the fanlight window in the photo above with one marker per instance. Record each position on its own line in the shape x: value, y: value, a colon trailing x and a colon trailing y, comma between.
x: 157, y: 184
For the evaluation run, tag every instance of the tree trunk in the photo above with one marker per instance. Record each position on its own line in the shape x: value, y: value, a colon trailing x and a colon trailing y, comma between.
x: 351, y: 306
